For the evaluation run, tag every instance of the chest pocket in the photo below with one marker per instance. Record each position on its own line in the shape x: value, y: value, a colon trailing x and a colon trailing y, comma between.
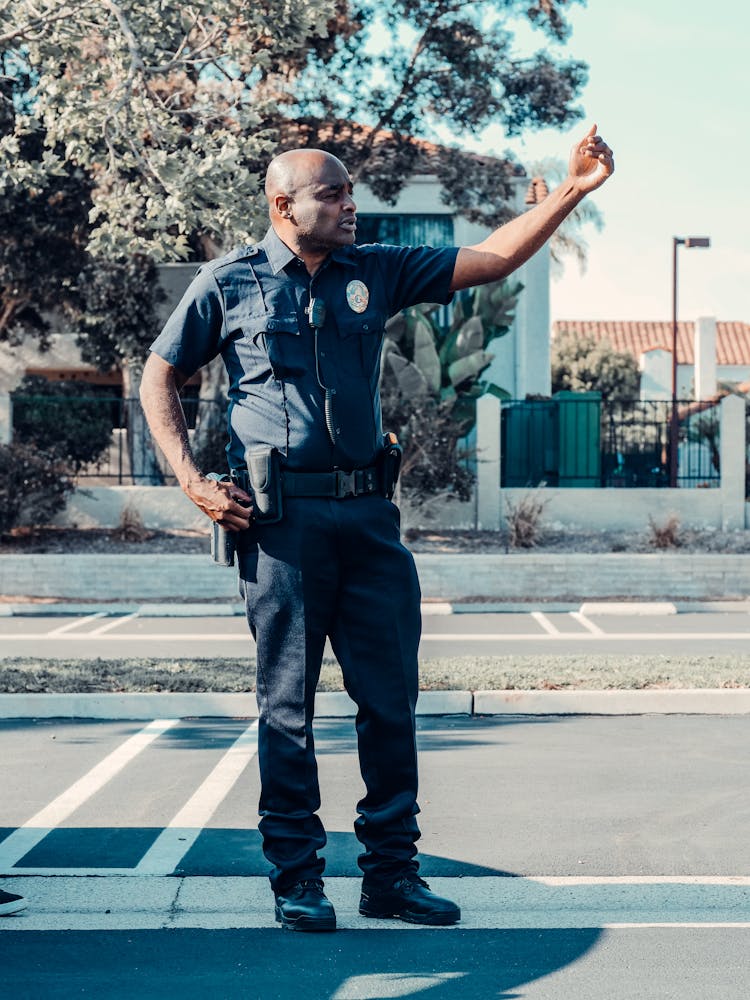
x: 360, y: 340
x: 268, y: 345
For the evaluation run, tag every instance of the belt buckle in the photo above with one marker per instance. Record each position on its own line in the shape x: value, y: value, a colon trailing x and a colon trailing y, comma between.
x: 346, y: 484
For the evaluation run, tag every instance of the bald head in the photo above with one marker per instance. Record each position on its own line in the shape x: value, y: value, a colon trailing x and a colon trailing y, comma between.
x: 310, y: 203
x: 295, y: 169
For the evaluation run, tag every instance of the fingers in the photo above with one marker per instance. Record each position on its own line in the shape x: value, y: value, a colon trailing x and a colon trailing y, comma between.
x: 592, y: 161
x: 223, y: 502
x: 594, y: 147
x: 238, y: 512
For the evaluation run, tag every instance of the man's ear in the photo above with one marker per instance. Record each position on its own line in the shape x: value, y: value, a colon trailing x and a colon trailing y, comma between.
x: 283, y: 205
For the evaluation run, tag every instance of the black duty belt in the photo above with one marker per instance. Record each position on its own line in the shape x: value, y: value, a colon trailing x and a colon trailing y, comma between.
x: 336, y: 484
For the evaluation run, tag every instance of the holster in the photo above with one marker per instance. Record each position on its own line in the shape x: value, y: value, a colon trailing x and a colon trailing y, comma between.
x: 390, y: 464
x: 263, y: 483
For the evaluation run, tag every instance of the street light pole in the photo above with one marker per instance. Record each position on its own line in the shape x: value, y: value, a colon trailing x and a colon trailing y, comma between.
x: 674, y: 423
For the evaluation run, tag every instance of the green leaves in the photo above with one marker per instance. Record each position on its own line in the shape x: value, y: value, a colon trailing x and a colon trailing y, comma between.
x: 396, y: 70
x: 580, y: 363
x: 159, y: 103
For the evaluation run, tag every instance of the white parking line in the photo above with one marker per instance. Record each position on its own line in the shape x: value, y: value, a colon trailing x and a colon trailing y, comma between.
x: 33, y: 831
x: 583, y: 620
x: 562, y: 881
x: 179, y: 836
x: 74, y: 624
x: 544, y: 621
x: 120, y: 620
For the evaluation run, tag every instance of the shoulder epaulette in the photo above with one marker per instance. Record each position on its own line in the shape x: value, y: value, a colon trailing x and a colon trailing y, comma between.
x: 245, y: 252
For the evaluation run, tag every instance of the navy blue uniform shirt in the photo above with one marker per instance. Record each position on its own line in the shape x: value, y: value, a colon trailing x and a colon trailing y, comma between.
x: 251, y: 307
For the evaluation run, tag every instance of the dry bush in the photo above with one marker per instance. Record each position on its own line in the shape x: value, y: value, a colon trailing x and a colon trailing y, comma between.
x: 131, y: 527
x: 667, y: 534
x: 523, y: 519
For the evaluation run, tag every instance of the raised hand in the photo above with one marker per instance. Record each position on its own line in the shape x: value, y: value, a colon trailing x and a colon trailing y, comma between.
x: 591, y: 162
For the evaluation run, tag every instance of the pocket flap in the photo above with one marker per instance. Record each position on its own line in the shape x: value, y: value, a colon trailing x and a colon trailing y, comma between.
x: 267, y: 323
x: 368, y: 322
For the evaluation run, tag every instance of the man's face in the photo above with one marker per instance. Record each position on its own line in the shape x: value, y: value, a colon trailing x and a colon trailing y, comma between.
x: 323, y: 208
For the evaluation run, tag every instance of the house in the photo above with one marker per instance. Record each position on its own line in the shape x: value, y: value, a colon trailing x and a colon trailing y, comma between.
x: 710, y: 353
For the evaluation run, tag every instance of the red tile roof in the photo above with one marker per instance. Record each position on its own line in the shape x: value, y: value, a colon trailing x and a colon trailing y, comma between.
x: 537, y: 191
x: 347, y: 134
x: 638, y: 336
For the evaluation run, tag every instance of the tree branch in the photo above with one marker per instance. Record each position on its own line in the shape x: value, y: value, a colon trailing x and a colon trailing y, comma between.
x: 387, y: 116
x: 41, y: 22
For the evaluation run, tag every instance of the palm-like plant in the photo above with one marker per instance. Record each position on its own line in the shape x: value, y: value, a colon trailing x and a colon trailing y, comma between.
x: 431, y: 377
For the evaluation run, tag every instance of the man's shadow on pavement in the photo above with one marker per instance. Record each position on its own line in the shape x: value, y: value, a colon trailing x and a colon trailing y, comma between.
x: 273, y: 964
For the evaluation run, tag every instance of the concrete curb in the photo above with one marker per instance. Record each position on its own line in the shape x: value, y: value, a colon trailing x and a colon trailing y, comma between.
x: 688, y: 701
x: 337, y: 704
x: 657, y: 608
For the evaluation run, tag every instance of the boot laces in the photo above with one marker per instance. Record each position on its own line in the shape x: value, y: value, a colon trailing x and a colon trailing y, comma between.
x: 313, y: 884
x: 411, y: 881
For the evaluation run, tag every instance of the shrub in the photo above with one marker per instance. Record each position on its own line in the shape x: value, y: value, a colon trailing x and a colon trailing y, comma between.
x: 131, y: 527
x: 33, y: 487
x: 64, y: 419
x: 524, y: 520
x: 666, y: 535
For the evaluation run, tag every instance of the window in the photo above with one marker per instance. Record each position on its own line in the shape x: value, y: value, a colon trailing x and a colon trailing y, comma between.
x: 406, y: 230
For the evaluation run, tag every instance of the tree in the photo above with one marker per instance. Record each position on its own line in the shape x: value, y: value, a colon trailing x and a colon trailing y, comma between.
x: 166, y: 109
x: 47, y: 220
x: 399, y: 69
x: 159, y: 104
x: 580, y: 363
x: 130, y: 133
x: 118, y: 321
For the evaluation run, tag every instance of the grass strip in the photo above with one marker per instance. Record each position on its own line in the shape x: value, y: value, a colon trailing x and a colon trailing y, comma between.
x: 29, y: 675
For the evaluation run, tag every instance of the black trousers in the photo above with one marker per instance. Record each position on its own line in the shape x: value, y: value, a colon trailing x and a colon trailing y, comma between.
x: 334, y: 568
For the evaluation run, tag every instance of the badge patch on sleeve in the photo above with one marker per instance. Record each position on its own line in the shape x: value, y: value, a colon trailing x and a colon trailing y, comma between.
x: 357, y: 295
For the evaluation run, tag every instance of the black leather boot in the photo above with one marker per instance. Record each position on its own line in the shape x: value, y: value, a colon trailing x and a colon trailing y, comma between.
x: 304, y: 907
x: 409, y: 898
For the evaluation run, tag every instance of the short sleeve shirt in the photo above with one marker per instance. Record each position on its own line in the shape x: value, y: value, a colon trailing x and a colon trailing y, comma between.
x: 252, y: 308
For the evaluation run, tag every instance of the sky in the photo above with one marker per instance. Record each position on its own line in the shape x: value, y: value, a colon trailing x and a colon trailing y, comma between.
x: 669, y: 87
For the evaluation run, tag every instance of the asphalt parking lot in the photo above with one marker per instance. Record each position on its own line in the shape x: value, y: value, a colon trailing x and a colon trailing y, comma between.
x: 584, y: 851
x: 167, y: 631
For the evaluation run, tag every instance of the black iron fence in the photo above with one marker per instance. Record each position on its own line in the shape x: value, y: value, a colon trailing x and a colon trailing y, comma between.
x: 125, y: 454
x: 574, y: 439
x: 578, y: 439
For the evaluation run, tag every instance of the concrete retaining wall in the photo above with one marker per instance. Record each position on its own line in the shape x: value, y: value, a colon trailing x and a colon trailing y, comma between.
x: 504, y: 577
x: 167, y: 508
x: 164, y: 508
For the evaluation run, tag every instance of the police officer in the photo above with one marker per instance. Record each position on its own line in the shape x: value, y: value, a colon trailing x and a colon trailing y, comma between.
x: 299, y: 320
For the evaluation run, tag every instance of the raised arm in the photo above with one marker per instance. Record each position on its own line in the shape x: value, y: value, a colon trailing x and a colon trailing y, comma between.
x: 591, y: 163
x: 160, y: 387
